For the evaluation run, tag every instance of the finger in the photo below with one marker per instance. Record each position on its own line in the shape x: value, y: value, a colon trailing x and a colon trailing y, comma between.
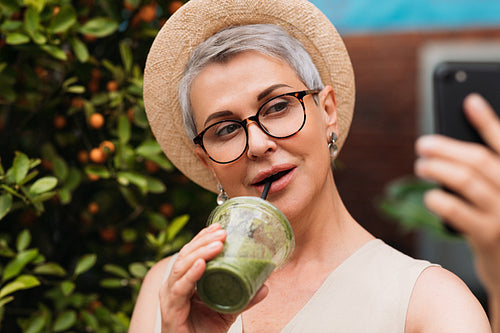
x: 207, y: 251
x: 206, y: 245
x: 482, y: 116
x: 475, y: 156
x: 175, y: 300
x: 460, y: 179
x: 456, y: 212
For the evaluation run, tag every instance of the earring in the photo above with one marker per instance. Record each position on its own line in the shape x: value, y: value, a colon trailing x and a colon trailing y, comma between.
x: 332, y: 146
x: 222, y: 196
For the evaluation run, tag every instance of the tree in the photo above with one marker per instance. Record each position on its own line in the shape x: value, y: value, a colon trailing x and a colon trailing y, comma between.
x: 88, y: 201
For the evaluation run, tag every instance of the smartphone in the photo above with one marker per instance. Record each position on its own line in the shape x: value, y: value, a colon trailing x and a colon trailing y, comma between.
x: 452, y: 82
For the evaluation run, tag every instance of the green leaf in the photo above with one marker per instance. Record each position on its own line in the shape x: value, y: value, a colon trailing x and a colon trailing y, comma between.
x: 60, y: 168
x: 126, y: 177
x: 38, y: 37
x: 126, y: 55
x: 176, y: 226
x: 67, y: 287
x: 15, y: 266
x: 5, y: 204
x: 31, y: 20
x: 85, y: 263
x: 97, y: 170
x: 20, y: 167
x: 64, y: 321
x: 149, y: 148
x: 50, y: 268
x: 155, y: 185
x: 138, y: 270
x: 64, y: 20
x: 6, y: 300
x: 123, y: 129
x: 54, y: 51
x: 80, y: 49
x: 39, y: 5
x: 23, y: 240
x: 20, y: 283
x: 17, y: 38
x: 43, y: 185
x: 116, y: 270
x: 35, y: 324
x: 113, y: 283
x: 90, y: 320
x: 99, y: 27
x: 73, y: 180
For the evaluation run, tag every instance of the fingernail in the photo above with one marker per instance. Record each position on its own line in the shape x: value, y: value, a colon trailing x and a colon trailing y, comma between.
x: 214, y: 245
x: 213, y: 227
x: 219, y: 233
x: 476, y: 101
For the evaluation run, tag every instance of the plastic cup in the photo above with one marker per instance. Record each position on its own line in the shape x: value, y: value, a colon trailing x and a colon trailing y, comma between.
x: 259, y: 240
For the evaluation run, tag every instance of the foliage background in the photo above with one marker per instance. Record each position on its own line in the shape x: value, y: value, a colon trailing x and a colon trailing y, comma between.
x: 87, y: 199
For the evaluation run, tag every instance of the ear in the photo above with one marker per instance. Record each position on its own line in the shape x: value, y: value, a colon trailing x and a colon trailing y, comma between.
x: 207, y: 162
x: 328, y: 104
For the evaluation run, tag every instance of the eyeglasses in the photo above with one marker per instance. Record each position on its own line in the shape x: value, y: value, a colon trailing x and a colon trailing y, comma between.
x: 279, y: 117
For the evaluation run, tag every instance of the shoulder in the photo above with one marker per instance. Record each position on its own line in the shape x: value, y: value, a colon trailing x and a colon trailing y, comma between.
x: 441, y: 302
x: 144, y: 315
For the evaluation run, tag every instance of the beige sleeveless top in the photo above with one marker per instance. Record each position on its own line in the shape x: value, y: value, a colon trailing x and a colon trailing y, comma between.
x: 368, y: 292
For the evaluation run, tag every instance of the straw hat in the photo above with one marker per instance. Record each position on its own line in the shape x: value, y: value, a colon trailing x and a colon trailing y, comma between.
x: 199, y: 19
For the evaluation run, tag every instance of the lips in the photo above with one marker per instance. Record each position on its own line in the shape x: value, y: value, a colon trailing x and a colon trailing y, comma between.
x: 273, y: 177
x: 280, y: 176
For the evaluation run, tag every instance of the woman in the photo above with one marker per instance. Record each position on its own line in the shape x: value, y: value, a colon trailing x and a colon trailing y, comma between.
x: 283, y: 55
x: 471, y: 171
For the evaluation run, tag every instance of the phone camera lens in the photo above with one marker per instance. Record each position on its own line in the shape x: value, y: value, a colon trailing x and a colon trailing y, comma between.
x: 460, y: 76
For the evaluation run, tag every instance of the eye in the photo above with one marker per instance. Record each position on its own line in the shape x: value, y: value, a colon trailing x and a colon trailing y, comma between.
x: 225, y: 129
x: 275, y: 107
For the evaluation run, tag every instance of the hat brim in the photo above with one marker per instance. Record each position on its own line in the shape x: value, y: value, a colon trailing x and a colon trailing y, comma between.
x: 199, y: 19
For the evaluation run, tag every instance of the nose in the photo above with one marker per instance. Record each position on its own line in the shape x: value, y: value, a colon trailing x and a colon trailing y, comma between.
x: 259, y: 143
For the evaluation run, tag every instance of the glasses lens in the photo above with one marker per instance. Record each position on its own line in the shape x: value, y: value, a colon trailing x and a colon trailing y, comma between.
x: 282, y: 116
x: 225, y: 141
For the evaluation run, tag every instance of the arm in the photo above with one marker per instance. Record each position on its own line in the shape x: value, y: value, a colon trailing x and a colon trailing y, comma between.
x: 181, y: 310
x: 472, y: 171
x: 441, y: 302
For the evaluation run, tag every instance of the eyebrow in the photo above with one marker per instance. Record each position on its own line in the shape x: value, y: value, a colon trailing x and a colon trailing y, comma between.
x: 260, y: 97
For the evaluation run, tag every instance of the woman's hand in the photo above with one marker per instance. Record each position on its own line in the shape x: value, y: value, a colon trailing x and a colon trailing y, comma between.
x: 181, y: 309
x: 472, y: 172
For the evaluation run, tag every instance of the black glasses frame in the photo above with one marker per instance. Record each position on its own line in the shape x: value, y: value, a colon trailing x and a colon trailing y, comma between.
x: 198, y: 140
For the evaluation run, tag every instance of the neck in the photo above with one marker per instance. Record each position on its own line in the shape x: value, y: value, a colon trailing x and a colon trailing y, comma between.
x: 327, y: 232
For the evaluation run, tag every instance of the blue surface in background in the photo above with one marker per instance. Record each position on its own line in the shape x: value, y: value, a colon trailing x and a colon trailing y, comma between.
x: 362, y: 16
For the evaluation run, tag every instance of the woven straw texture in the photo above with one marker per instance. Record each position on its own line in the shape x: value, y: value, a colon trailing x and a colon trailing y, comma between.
x: 199, y: 19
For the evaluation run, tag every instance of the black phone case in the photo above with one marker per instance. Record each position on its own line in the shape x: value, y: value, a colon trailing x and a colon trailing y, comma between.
x: 453, y: 81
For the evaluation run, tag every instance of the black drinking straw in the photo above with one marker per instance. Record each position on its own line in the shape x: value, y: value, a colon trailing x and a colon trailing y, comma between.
x: 266, y: 190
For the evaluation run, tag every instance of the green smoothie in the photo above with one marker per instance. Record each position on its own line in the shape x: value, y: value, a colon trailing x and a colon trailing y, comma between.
x: 259, y: 239
x: 225, y: 289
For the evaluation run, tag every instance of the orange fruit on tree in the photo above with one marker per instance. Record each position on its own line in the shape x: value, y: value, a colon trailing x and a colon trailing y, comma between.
x: 97, y: 156
x: 174, y: 5
x: 151, y: 167
x: 96, y: 120
x: 60, y: 121
x: 112, y: 85
x: 147, y: 13
x: 93, y: 177
x: 107, y: 147
x: 82, y: 156
x: 167, y: 209
x: 93, y: 208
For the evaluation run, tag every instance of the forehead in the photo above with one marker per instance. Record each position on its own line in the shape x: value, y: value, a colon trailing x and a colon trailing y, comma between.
x: 245, y: 74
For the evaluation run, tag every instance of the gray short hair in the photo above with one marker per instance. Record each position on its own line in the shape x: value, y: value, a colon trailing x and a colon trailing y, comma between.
x: 267, y: 39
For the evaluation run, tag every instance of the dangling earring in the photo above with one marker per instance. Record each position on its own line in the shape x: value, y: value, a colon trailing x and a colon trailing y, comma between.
x: 222, y: 196
x: 332, y: 146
